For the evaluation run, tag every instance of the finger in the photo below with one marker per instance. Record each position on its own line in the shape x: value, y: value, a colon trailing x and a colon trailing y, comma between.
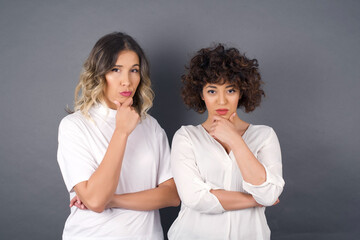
x: 217, y: 118
x: 72, y: 201
x: 77, y: 205
x: 128, y: 102
x: 214, y: 124
x: 232, y: 117
x: 118, y: 105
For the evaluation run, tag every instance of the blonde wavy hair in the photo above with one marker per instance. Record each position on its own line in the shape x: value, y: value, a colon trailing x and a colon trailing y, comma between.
x: 102, y: 58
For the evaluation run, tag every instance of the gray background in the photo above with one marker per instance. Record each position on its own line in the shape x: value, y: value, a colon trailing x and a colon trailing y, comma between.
x: 309, y: 59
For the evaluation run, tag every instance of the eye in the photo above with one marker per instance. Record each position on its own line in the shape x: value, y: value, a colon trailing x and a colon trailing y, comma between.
x: 231, y: 91
x: 211, y: 91
x: 134, y: 70
x: 115, y: 70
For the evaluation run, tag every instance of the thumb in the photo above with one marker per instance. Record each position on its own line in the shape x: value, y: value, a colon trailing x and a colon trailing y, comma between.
x: 232, y: 117
x: 128, y: 102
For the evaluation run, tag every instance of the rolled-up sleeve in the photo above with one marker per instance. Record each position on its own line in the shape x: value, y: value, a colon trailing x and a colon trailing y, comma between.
x: 269, y: 155
x: 193, y: 190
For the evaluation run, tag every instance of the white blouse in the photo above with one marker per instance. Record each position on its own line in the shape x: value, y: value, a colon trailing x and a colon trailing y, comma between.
x: 146, y: 163
x: 199, y: 163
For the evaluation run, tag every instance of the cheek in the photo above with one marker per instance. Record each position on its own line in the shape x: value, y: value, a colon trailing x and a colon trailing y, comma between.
x: 209, y: 102
x: 109, y: 88
x: 136, y: 82
x: 235, y: 101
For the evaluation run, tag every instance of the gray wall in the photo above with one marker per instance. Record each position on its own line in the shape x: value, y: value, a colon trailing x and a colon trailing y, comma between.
x: 309, y: 58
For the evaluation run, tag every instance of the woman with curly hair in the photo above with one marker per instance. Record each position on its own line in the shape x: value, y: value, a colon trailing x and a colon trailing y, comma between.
x: 114, y: 157
x: 225, y: 169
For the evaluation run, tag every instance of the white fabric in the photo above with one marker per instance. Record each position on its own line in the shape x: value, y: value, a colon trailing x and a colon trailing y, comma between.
x: 82, y: 146
x: 199, y: 163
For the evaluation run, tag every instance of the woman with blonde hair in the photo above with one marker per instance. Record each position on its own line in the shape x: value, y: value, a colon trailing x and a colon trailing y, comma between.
x: 114, y: 157
x: 226, y: 170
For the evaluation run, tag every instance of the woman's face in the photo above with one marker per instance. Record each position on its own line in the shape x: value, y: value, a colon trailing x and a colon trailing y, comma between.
x: 123, y: 79
x: 220, y: 100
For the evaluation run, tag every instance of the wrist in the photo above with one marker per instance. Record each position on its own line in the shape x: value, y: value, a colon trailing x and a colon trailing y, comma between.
x: 120, y: 133
x: 237, y: 142
x: 253, y: 201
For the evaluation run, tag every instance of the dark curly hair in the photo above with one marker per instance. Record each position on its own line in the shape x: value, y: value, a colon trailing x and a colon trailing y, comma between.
x: 219, y: 65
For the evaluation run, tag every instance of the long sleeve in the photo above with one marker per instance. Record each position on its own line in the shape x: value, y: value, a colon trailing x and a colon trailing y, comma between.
x: 270, y: 156
x: 193, y: 190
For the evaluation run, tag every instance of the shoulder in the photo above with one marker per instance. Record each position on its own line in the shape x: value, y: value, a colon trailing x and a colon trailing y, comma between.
x: 151, y: 126
x: 260, y: 132
x: 260, y: 129
x: 187, y: 132
x: 150, y: 122
x: 73, y: 121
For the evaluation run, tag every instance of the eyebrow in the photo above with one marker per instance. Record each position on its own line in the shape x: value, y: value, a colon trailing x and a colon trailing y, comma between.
x: 135, y: 65
x: 230, y: 86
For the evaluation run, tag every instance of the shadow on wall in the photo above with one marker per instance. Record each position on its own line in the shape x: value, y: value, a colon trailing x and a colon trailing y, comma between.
x: 167, y: 65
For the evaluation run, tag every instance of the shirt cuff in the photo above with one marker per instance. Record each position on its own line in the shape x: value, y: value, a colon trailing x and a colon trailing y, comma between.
x: 270, y: 179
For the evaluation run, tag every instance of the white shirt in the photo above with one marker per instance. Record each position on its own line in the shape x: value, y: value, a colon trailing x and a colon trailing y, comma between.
x: 199, y: 163
x: 146, y: 163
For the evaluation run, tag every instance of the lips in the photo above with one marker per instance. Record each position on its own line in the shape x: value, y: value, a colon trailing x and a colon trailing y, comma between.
x: 222, y: 111
x: 126, y: 93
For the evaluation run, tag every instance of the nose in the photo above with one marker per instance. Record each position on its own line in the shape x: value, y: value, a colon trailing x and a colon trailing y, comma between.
x: 222, y: 99
x: 125, y: 80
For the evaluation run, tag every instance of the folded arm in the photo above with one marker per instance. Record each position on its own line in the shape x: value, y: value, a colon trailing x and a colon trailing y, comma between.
x: 94, y: 184
x: 268, y: 191
x: 165, y: 195
x: 194, y: 192
x: 96, y: 192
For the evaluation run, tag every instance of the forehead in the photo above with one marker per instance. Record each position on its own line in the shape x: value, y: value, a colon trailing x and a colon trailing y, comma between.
x: 127, y: 57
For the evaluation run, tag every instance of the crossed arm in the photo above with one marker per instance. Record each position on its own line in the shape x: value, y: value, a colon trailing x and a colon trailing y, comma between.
x: 165, y: 195
x: 232, y: 200
x: 202, y: 196
x: 262, y: 174
x: 97, y: 193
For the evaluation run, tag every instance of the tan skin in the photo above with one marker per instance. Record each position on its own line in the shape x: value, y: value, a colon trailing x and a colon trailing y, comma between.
x: 97, y: 193
x: 227, y: 128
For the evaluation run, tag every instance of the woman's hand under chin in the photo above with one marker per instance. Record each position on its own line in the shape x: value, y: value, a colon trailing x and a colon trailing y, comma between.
x: 126, y: 117
x: 225, y: 130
